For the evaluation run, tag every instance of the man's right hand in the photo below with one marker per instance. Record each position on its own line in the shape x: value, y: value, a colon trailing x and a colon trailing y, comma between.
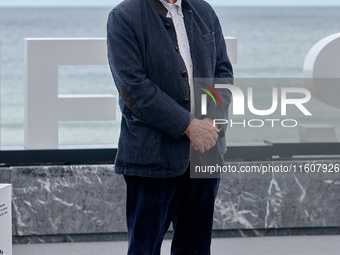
x: 202, y: 134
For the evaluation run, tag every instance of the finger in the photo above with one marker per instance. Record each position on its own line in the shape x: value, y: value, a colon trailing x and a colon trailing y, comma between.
x: 214, y: 129
x: 202, y: 149
x: 193, y: 146
x: 210, y: 123
x: 212, y: 139
x: 207, y: 143
x: 201, y: 146
x: 212, y: 144
x: 214, y: 136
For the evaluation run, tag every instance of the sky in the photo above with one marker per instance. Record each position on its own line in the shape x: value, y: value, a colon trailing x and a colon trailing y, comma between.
x: 212, y: 2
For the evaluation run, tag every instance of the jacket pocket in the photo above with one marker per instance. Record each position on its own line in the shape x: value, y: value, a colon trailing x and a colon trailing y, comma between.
x: 139, y: 144
x: 209, y: 37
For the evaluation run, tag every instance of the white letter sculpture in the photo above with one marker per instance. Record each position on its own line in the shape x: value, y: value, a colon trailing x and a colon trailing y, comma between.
x: 44, y: 108
x: 322, y: 70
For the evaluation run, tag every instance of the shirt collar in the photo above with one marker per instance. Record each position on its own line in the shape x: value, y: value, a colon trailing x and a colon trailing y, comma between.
x: 168, y: 5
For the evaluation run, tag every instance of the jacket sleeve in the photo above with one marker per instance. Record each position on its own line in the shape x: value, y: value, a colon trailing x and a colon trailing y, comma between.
x: 142, y: 96
x: 223, y: 73
x: 224, y: 68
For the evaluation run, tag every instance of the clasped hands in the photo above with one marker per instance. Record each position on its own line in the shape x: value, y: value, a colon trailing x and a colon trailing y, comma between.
x: 202, y: 134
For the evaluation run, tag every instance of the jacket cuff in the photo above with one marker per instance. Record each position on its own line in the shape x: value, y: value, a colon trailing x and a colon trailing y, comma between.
x: 186, y: 126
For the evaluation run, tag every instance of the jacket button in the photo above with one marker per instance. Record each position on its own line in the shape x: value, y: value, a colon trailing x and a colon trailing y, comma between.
x: 177, y: 48
x: 167, y: 25
x: 184, y: 73
x: 187, y: 101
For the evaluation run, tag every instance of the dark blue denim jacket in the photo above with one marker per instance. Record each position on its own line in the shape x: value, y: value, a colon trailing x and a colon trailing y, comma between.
x: 152, y: 81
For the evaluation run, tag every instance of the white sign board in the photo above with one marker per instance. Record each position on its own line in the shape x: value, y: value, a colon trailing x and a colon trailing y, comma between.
x: 5, y: 220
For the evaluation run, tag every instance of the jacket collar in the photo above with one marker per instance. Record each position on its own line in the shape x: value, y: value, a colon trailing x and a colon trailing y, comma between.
x: 162, y: 10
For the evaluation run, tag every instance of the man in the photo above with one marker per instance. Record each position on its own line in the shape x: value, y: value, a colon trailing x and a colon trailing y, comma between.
x: 155, y: 49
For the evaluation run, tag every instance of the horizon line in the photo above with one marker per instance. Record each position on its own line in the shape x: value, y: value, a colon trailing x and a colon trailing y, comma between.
x: 217, y: 5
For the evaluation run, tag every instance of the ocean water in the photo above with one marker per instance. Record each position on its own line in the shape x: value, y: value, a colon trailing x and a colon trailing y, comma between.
x: 272, y: 43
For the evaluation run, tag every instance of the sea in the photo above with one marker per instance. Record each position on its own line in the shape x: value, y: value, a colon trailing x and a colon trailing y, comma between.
x: 272, y: 46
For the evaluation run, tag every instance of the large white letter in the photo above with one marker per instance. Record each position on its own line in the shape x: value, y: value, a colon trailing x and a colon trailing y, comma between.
x: 231, y: 43
x: 0, y: 95
x: 44, y: 108
x: 322, y: 70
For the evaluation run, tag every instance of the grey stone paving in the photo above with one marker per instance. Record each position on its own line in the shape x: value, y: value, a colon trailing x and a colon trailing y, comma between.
x: 292, y: 245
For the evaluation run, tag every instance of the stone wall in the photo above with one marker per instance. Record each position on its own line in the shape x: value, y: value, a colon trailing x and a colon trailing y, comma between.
x: 90, y: 199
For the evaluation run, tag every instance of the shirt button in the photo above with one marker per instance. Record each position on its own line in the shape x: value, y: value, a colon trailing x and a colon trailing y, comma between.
x: 186, y: 100
x: 184, y: 73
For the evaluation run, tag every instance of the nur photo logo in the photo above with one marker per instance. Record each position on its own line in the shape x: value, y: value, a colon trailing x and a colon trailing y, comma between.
x: 268, y: 106
x: 204, y: 97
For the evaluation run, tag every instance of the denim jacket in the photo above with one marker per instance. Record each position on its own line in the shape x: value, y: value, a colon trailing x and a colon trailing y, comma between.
x: 152, y: 81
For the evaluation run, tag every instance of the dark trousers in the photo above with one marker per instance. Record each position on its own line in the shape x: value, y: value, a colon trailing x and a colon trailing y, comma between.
x: 152, y: 203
